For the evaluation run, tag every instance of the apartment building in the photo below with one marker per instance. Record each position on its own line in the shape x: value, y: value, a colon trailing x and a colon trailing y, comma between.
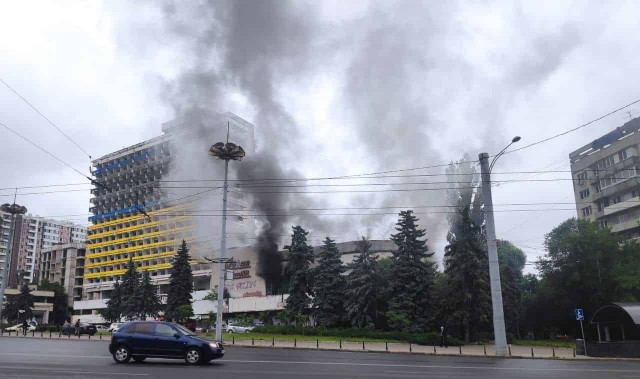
x: 5, y: 232
x: 33, y: 234
x: 139, y: 212
x: 64, y: 264
x: 606, y: 177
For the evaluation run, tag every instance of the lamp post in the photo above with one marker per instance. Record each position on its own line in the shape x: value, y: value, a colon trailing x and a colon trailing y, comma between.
x: 225, y: 151
x: 499, y: 332
x: 13, y: 209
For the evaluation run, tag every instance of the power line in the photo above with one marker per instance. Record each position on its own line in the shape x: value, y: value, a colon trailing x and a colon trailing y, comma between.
x: 574, y: 129
x: 43, y: 116
x: 42, y: 149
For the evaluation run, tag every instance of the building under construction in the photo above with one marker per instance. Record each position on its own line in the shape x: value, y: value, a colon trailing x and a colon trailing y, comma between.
x: 142, y: 210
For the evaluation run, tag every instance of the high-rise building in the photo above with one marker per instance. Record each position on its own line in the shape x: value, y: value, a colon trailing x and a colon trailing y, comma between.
x: 64, y: 264
x: 144, y: 200
x: 606, y: 182
x: 31, y: 235
x: 5, y: 232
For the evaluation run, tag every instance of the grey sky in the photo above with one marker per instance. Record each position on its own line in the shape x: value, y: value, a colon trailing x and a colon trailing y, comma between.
x: 341, y: 89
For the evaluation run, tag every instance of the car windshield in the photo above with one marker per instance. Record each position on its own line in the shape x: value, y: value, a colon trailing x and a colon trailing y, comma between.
x: 184, y: 330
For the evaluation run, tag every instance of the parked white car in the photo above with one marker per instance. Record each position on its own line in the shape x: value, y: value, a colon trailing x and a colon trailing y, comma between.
x: 102, y: 328
x: 233, y: 328
x: 115, y: 326
x: 18, y: 328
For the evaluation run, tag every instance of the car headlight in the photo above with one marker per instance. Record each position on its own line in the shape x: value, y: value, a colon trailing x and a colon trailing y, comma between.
x: 215, y: 345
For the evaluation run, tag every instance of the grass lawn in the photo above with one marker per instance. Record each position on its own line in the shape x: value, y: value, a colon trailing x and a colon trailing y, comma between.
x: 290, y: 337
x: 549, y: 343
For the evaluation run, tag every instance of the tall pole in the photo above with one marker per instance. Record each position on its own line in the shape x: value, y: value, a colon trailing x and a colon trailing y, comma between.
x: 494, y: 268
x: 7, y: 258
x: 223, y: 255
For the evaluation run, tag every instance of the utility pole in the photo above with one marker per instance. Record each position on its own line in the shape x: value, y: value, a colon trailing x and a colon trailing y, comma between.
x: 14, y: 210
x: 223, y: 255
x: 225, y: 151
x: 499, y: 332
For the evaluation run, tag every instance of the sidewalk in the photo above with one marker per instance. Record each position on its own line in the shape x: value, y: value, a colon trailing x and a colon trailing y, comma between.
x: 398, y: 348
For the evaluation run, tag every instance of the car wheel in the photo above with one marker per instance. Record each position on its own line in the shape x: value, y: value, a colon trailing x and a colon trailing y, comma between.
x: 139, y: 359
x: 122, y: 354
x: 193, y: 356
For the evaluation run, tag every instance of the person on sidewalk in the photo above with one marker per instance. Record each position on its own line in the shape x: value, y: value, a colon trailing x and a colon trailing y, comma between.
x: 443, y: 336
x: 77, y: 327
x: 25, y: 326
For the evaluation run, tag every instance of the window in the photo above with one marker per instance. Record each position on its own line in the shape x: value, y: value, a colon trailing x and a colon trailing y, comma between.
x: 584, y: 193
x: 634, y: 193
x: 163, y: 330
x: 599, y: 207
x: 141, y: 328
x: 608, y: 161
x: 622, y: 155
x: 582, y: 177
x: 616, y: 199
x: 586, y: 211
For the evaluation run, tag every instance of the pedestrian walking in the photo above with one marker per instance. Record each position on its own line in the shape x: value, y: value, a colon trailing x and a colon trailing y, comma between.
x: 77, y: 327
x: 25, y: 325
x: 443, y: 336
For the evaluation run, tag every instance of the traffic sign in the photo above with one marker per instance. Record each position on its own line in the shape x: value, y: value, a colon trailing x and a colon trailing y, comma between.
x: 579, y: 315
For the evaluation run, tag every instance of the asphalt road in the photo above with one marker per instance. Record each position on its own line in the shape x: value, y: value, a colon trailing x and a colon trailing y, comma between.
x: 41, y: 358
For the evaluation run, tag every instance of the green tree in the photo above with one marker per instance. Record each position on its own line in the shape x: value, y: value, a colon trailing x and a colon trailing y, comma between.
x: 329, y: 286
x: 113, y: 311
x: 627, y: 272
x: 580, y: 268
x: 180, y: 285
x: 60, y: 300
x: 149, y: 304
x: 130, y: 290
x: 512, y: 261
x: 412, y: 276
x: 11, y: 309
x: 25, y: 302
x: 363, y: 293
x: 298, y: 271
x: 468, y: 301
x: 184, y: 312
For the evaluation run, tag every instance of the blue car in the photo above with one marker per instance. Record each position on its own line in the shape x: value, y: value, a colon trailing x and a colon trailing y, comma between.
x: 139, y: 340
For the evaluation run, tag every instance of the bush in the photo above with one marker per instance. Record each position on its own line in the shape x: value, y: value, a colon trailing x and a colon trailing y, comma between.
x: 430, y: 339
x: 47, y: 328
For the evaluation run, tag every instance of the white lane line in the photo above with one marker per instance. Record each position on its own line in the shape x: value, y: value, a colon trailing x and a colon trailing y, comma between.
x: 22, y: 368
x: 430, y: 366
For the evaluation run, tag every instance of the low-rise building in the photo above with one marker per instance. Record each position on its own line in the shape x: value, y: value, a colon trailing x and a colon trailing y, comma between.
x: 42, y: 304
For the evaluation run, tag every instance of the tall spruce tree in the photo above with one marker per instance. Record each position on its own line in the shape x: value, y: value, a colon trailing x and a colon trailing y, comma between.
x: 512, y: 261
x: 329, y: 286
x: 412, y: 277
x: 468, y: 302
x: 298, y: 271
x: 129, y: 289
x: 113, y: 311
x: 149, y: 304
x: 363, y: 288
x: 180, y: 285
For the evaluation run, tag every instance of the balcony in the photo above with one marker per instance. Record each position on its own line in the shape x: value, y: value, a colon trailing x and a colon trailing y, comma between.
x: 622, y: 206
x: 622, y: 226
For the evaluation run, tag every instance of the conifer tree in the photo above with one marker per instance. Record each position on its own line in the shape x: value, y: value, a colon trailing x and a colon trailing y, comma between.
x: 129, y: 290
x: 298, y: 271
x: 363, y: 288
x: 468, y: 300
x: 25, y: 301
x: 148, y: 303
x: 329, y: 286
x: 412, y: 277
x: 113, y: 311
x: 180, y: 285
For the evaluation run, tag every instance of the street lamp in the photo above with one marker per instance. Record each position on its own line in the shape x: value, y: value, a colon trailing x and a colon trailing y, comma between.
x: 499, y: 332
x: 13, y: 209
x: 226, y: 151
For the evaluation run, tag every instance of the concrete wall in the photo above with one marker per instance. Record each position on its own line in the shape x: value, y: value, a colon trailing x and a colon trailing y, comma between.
x: 626, y: 349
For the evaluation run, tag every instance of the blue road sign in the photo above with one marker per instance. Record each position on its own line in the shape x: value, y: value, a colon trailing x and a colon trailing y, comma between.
x: 579, y: 315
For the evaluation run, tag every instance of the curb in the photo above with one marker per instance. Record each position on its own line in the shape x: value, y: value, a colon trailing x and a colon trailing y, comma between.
x: 365, y: 351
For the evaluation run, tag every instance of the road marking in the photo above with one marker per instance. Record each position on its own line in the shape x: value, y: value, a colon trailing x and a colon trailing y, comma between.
x: 22, y: 368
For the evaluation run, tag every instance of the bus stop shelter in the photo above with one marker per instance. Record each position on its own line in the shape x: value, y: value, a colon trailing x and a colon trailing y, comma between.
x: 618, y: 331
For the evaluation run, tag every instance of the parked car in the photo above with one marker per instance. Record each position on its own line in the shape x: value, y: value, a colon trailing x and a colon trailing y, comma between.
x: 234, y: 328
x: 113, y: 327
x: 84, y: 329
x: 102, y: 328
x: 18, y: 328
x: 139, y: 340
